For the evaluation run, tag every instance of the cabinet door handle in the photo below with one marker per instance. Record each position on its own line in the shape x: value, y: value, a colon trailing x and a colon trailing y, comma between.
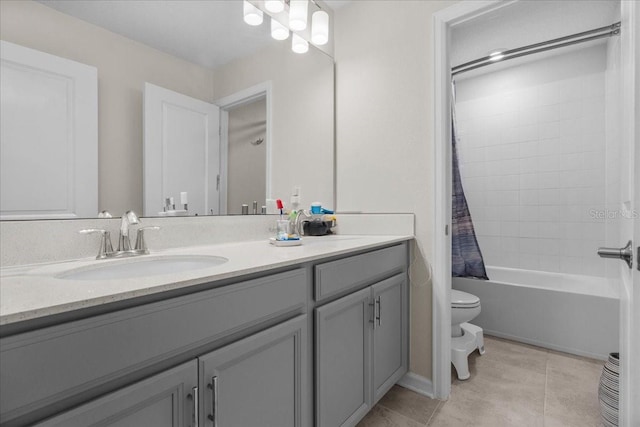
x: 195, y: 397
x: 379, y: 317
x: 373, y: 314
x: 213, y: 417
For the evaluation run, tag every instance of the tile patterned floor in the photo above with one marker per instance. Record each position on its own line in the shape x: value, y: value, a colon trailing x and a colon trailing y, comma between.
x: 512, y: 384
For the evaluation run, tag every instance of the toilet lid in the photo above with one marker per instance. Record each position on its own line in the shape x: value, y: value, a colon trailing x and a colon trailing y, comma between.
x: 463, y: 299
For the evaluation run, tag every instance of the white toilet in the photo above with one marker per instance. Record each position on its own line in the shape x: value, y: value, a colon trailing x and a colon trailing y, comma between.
x: 465, y: 337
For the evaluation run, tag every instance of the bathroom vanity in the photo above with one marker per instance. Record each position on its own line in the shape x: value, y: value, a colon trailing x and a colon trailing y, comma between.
x: 305, y: 336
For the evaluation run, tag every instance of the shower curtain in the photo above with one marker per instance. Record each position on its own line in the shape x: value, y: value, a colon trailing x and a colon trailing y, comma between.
x: 466, y: 257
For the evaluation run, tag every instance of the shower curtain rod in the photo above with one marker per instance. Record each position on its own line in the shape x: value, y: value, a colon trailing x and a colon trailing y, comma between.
x: 585, y: 36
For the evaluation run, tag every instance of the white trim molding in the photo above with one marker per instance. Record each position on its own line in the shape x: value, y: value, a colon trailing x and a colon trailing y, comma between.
x: 417, y: 383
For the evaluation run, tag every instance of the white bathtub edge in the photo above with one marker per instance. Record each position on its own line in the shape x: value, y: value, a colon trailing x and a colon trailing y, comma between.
x: 547, y: 345
x: 563, y: 282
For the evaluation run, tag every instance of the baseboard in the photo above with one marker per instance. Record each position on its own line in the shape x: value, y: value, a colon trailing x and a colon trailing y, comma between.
x: 417, y: 383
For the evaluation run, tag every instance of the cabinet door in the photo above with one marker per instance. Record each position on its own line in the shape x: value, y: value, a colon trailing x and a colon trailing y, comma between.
x: 258, y: 381
x: 163, y: 400
x: 343, y: 380
x: 389, y: 333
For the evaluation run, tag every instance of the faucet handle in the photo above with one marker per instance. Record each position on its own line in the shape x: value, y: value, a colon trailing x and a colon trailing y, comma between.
x: 141, y: 245
x: 105, y: 243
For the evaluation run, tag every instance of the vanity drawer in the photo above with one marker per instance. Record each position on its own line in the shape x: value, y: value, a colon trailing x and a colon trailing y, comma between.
x: 49, y: 365
x: 335, y: 277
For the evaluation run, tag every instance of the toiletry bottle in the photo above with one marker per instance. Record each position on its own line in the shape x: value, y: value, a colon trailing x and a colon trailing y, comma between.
x: 282, y: 224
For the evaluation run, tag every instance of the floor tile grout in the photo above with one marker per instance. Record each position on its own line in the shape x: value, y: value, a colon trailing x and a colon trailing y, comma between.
x: 440, y: 402
x: 546, y: 381
x: 400, y: 414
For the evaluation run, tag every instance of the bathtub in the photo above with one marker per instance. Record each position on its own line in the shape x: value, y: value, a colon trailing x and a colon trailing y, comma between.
x: 570, y: 313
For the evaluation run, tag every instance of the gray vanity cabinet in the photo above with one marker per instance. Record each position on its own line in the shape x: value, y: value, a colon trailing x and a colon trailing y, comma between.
x: 163, y: 400
x: 258, y: 381
x: 390, y: 334
x: 240, y: 354
x: 81, y: 360
x: 361, y: 339
x: 343, y: 392
x: 361, y: 351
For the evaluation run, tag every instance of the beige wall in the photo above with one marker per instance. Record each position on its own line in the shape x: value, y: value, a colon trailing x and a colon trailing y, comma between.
x: 121, y: 76
x: 302, y: 123
x: 384, y: 130
x: 247, y: 162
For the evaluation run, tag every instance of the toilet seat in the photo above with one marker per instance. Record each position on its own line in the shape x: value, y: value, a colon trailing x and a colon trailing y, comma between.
x: 461, y: 299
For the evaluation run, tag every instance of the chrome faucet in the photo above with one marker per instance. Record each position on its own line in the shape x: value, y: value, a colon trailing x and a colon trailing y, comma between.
x: 124, y: 240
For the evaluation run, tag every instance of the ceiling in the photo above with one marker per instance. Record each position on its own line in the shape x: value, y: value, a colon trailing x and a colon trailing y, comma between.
x: 526, y: 22
x: 207, y: 33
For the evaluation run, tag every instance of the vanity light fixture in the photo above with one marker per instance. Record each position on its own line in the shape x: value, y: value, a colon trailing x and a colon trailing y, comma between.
x: 298, y: 11
x: 252, y: 15
x: 496, y: 55
x: 298, y: 44
x: 320, y: 27
x: 274, y: 6
x: 278, y: 31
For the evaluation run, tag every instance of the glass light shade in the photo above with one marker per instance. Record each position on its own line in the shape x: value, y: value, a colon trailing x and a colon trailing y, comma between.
x: 320, y: 27
x: 298, y: 10
x: 274, y: 6
x: 298, y: 44
x: 252, y: 15
x: 278, y: 31
x: 496, y: 55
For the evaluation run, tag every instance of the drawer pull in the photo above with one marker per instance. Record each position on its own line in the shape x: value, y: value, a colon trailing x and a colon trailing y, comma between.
x: 194, y: 396
x: 213, y: 386
x: 373, y: 313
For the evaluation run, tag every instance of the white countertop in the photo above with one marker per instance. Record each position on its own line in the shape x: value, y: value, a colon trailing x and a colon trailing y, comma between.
x: 30, y: 292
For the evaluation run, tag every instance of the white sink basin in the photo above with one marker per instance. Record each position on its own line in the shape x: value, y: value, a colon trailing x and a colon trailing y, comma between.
x: 142, y: 267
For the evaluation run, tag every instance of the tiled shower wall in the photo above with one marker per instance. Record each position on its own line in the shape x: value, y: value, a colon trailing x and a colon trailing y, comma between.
x: 532, y: 157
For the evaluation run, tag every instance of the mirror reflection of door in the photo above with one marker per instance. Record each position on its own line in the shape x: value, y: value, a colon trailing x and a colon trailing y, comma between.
x: 48, y: 135
x: 181, y: 153
x: 247, y: 155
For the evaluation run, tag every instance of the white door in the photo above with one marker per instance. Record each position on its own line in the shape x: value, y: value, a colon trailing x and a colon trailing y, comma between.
x: 49, y: 136
x: 630, y: 291
x: 181, y: 152
x: 630, y: 229
x: 630, y: 310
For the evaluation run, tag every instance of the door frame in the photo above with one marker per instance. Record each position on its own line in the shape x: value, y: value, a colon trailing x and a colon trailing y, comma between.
x: 237, y: 99
x: 441, y: 166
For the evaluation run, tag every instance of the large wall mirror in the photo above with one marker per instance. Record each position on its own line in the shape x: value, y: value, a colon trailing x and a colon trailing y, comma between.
x: 191, y: 101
